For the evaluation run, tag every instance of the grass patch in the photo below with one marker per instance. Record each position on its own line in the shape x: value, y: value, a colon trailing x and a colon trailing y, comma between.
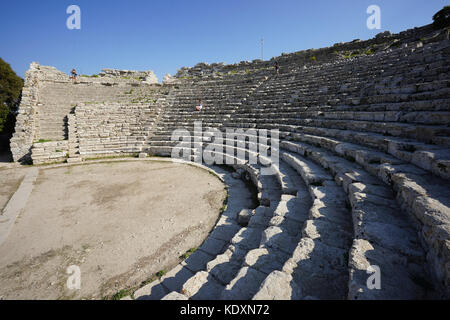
x: 43, y: 141
x: 148, y: 281
x: 161, y: 273
x: 188, y: 253
x: 134, y: 155
x: 122, y: 294
x: 224, y: 208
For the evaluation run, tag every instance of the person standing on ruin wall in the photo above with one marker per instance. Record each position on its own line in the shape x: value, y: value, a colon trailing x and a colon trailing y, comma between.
x: 277, y: 68
x: 200, y: 106
x: 74, y: 75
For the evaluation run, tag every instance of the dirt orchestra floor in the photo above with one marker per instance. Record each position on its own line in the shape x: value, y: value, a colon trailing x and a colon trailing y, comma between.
x: 120, y: 222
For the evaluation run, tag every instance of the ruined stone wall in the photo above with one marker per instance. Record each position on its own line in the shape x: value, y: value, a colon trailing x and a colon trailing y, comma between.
x: 113, y: 128
x: 48, y: 152
x: 49, y: 96
x: 22, y: 139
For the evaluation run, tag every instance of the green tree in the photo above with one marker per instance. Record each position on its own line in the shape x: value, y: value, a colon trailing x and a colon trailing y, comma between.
x: 442, y: 18
x: 10, y: 89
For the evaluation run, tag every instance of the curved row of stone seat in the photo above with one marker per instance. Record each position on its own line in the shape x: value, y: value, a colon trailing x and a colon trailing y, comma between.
x: 277, y: 242
x: 431, y: 117
x: 401, y: 256
x: 235, y: 274
x: 413, y: 129
x: 317, y: 264
x: 332, y: 75
x: 212, y: 92
x: 423, y: 196
x: 428, y: 156
x: 227, y: 231
x: 362, y: 160
x: 243, y: 273
x: 424, y: 164
x: 432, y: 158
x: 410, y: 106
x: 382, y: 236
x: 230, y: 152
x: 261, y: 100
x: 243, y: 149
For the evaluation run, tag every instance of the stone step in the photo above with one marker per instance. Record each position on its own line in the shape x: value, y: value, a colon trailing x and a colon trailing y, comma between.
x: 391, y: 233
x: 277, y: 243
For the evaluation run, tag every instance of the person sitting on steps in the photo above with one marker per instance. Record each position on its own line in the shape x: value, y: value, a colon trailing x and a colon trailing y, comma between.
x: 74, y: 75
x: 200, y: 106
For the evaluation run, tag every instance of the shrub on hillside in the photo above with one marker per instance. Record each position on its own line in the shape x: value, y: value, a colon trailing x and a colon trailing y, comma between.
x: 442, y: 18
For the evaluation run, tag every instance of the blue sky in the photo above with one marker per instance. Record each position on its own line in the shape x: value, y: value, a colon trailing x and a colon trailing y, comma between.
x: 166, y: 35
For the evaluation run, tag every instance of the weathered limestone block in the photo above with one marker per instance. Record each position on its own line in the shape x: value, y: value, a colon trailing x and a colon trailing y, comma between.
x: 49, y: 152
x: 275, y: 238
x: 247, y: 238
x: 278, y: 286
x: 265, y: 260
x: 225, y: 266
x: 201, y: 286
x: 176, y: 277
x: 175, y: 296
x: 362, y: 256
x: 244, y: 286
x: 213, y: 246
x: 168, y: 79
x: 243, y: 217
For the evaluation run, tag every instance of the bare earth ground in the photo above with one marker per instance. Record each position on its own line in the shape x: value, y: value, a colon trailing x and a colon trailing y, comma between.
x: 10, y: 179
x: 120, y: 222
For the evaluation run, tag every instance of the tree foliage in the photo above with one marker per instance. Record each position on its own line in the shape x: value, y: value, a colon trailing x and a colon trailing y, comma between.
x: 10, y: 89
x: 442, y: 18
